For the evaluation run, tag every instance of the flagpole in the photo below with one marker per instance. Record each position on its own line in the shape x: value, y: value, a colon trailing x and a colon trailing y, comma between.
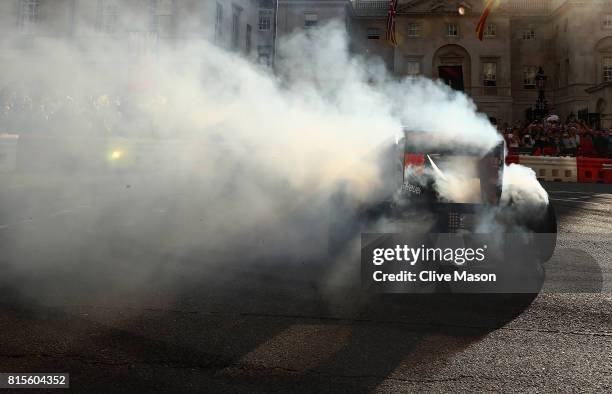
x: 275, y: 34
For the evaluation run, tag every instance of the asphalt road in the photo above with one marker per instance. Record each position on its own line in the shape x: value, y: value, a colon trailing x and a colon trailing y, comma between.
x: 145, y: 316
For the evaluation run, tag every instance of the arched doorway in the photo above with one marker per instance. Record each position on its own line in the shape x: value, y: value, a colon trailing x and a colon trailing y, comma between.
x: 452, y: 64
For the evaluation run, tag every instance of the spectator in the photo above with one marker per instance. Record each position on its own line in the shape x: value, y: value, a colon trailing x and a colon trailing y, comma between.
x: 569, y: 146
x: 513, y: 142
x: 556, y: 143
x: 539, y: 145
x: 527, y: 141
x: 550, y: 148
x: 574, y: 134
x: 587, y: 147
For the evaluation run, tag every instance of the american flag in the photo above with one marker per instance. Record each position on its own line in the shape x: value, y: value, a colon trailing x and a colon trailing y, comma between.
x: 391, y: 36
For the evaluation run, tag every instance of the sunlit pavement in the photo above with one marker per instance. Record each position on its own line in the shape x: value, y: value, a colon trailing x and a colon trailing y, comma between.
x: 189, y: 323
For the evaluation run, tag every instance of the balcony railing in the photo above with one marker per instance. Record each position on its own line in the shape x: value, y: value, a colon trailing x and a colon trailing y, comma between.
x: 374, y: 8
x: 529, y: 7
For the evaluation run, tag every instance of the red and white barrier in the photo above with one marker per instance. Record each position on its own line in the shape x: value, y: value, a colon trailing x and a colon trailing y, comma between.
x: 555, y: 169
x: 594, y: 170
x: 566, y: 169
x: 36, y: 153
x: 512, y: 159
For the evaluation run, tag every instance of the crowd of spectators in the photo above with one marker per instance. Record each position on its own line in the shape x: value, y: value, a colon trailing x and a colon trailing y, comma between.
x: 108, y: 115
x: 94, y: 115
x: 551, y: 137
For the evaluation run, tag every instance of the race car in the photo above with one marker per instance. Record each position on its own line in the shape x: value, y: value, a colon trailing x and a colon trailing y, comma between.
x: 444, y: 186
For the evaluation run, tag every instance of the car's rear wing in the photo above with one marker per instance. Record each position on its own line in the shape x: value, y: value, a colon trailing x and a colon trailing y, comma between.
x: 420, y: 142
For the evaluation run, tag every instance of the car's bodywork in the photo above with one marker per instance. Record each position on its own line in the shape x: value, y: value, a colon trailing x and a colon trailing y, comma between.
x: 425, y: 167
x: 444, y: 187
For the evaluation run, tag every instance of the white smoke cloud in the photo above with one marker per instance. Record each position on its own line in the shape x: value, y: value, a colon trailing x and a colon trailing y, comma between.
x: 521, y: 187
x: 254, y: 157
x: 457, y: 179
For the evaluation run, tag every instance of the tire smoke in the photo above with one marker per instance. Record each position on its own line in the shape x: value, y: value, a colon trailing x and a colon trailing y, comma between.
x: 203, y: 153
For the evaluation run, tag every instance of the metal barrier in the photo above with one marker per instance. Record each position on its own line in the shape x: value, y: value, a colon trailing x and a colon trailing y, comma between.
x: 8, y: 152
x: 557, y: 169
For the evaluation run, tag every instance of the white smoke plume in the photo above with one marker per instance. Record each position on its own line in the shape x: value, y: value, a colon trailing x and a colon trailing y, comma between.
x: 233, y: 156
x: 521, y: 187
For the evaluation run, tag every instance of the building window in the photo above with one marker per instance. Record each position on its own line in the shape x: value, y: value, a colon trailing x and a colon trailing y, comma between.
x: 414, y: 29
x: 236, y: 11
x: 219, y: 22
x: 489, y: 72
x: 163, y: 13
x: 28, y: 15
x: 452, y: 30
x: 310, y: 20
x: 373, y: 33
x: 108, y: 13
x: 529, y: 77
x: 607, y: 21
x: 607, y: 69
x: 265, y: 20
x: 529, y: 34
x: 264, y: 54
x: 413, y: 67
x: 490, y: 31
x: 248, y: 43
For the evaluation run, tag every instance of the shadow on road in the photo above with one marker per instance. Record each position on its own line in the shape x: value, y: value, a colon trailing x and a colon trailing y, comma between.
x: 188, y: 324
x: 244, y: 335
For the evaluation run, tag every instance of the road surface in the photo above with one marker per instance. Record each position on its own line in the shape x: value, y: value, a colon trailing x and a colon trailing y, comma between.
x: 144, y: 316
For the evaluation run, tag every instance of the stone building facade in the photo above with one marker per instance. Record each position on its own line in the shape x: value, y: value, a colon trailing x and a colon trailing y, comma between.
x: 304, y: 14
x: 244, y: 26
x: 570, y: 39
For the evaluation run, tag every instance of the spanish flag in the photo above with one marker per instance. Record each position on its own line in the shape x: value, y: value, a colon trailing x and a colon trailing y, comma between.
x: 480, y: 28
x: 391, y: 14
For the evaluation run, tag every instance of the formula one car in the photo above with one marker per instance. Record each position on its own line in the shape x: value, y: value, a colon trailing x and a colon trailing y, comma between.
x: 445, y: 187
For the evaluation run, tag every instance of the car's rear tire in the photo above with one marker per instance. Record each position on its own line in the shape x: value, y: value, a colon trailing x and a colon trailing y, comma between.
x: 545, y: 228
x: 550, y: 227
